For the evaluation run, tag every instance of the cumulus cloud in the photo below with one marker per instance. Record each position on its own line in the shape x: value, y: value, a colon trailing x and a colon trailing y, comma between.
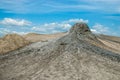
x: 51, y: 27
x: 57, y: 27
x: 14, y: 22
x: 100, y: 29
x: 76, y: 21
x: 20, y: 33
x: 4, y: 31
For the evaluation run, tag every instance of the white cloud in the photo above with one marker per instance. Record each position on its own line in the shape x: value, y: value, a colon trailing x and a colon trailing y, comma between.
x: 20, y: 33
x: 14, y: 22
x: 65, y: 26
x: 76, y: 21
x: 57, y: 27
x: 100, y: 29
x: 4, y: 31
x: 37, y: 28
x: 51, y: 27
x: 44, y: 30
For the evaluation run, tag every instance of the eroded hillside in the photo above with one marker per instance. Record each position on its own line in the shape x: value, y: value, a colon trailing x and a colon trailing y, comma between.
x: 11, y: 42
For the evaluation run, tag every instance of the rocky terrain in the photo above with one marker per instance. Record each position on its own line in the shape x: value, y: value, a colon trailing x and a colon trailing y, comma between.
x: 78, y: 55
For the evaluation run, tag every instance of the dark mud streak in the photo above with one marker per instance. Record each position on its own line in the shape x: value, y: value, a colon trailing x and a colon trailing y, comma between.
x: 103, y: 52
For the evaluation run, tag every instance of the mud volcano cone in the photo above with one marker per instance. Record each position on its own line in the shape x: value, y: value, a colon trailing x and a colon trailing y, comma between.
x: 71, y: 57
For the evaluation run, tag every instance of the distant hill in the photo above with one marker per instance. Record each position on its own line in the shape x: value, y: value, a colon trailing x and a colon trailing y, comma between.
x: 34, y: 37
x: 11, y: 42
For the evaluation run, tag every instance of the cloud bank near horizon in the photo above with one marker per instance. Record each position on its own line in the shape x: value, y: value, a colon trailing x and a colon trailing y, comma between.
x: 10, y: 25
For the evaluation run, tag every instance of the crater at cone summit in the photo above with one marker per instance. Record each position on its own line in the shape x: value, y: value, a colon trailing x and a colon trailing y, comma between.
x: 80, y: 28
x: 81, y: 31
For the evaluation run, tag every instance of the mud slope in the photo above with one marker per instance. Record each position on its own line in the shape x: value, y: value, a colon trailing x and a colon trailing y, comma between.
x: 71, y: 57
x: 113, y: 43
x: 33, y: 37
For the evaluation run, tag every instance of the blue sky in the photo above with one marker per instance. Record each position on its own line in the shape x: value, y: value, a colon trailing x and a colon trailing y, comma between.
x: 51, y: 16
